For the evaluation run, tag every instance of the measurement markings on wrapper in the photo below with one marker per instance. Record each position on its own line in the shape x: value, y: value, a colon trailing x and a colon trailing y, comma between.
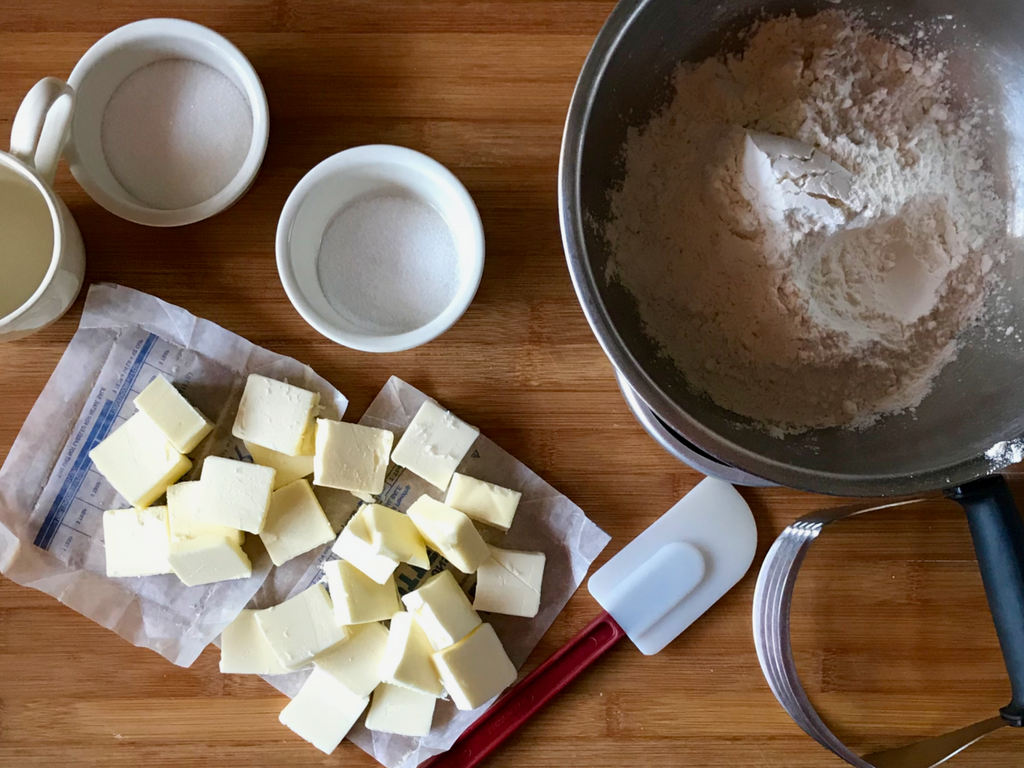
x: 146, y: 353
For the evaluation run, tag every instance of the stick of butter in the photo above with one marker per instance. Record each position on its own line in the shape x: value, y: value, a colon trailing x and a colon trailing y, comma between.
x: 485, y: 502
x: 323, y: 711
x: 394, y: 535
x: 434, y: 444
x: 139, y: 461
x: 206, y: 559
x: 357, y: 598
x: 135, y: 542
x: 450, y: 533
x: 235, y: 493
x: 406, y: 660
x: 509, y: 582
x: 295, y: 523
x: 245, y: 651
x: 275, y: 415
x: 356, y: 662
x: 182, y: 424
x: 184, y: 520
x: 301, y: 627
x: 475, y: 669
x: 395, y: 709
x: 355, y: 546
x: 288, y: 469
x: 442, y: 609
x: 351, y: 457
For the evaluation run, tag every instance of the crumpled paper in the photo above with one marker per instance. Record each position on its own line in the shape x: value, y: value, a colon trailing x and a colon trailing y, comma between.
x: 546, y: 521
x: 52, y: 499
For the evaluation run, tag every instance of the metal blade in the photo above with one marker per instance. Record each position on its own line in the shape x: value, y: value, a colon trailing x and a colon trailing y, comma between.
x: 935, y: 751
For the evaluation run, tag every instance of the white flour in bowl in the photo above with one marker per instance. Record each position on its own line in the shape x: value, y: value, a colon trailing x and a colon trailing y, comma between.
x: 798, y: 307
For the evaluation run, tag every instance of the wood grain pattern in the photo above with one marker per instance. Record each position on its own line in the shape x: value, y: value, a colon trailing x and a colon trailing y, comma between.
x: 891, y: 626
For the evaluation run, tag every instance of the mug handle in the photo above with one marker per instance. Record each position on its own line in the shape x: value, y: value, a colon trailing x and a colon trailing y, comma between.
x: 42, y: 125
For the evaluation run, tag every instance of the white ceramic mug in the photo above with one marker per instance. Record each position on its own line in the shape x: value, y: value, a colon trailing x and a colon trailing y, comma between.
x: 42, y: 257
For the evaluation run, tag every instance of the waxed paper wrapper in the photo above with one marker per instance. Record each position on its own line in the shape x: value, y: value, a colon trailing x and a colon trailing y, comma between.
x: 52, y: 499
x: 546, y: 521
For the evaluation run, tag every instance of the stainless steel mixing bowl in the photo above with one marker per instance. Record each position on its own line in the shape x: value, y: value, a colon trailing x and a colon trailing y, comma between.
x: 977, y: 402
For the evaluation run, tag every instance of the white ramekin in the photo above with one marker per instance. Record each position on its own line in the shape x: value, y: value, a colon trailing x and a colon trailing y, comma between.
x: 106, y: 65
x: 330, y: 187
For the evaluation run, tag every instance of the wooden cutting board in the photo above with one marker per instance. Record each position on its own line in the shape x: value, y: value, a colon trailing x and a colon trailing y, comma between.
x: 891, y: 626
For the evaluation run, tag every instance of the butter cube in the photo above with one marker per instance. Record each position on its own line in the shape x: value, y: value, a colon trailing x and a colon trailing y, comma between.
x: 275, y: 415
x: 207, y: 559
x: 288, y: 469
x: 356, y: 662
x: 485, y: 502
x: 394, y: 535
x: 476, y: 669
x: 434, y: 444
x: 354, y: 545
x: 450, y: 533
x: 351, y: 457
x: 184, y: 519
x: 245, y: 651
x: 323, y: 711
x: 442, y: 609
x: 407, y: 660
x: 301, y: 627
x: 136, y: 542
x: 357, y: 598
x: 235, y: 493
x: 509, y: 582
x: 400, y: 710
x: 296, y: 523
x: 182, y: 425
x: 139, y: 461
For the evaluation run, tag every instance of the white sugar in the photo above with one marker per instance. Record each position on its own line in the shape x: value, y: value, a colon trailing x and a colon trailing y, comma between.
x: 175, y: 133
x: 388, y: 263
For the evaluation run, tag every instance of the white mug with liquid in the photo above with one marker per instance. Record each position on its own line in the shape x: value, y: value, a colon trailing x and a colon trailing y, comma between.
x: 42, y: 257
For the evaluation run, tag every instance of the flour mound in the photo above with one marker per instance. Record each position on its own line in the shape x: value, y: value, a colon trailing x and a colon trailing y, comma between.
x: 797, y: 303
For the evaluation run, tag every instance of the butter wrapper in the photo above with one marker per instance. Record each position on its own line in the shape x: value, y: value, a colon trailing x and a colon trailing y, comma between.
x: 52, y: 498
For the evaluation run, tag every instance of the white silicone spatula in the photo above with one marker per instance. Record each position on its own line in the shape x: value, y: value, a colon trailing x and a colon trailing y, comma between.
x: 651, y: 591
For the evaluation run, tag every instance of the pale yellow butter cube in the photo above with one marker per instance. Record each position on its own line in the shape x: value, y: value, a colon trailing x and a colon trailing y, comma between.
x: 356, y: 662
x: 207, y: 559
x: 358, y: 599
x: 301, y: 627
x: 235, y: 493
x: 394, y: 535
x: 245, y: 651
x: 351, y: 457
x: 450, y: 533
x: 295, y: 523
x: 354, y: 545
x: 139, y: 461
x: 288, y: 469
x: 323, y: 711
x: 434, y: 444
x: 184, y: 519
x: 406, y: 660
x: 442, y: 609
x: 484, y: 502
x: 510, y: 582
x: 135, y: 542
x: 476, y: 669
x: 275, y: 415
x: 395, y: 709
x: 181, y: 423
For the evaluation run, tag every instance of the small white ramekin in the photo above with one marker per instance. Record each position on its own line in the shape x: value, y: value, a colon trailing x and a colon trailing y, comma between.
x: 334, y: 184
x: 106, y: 65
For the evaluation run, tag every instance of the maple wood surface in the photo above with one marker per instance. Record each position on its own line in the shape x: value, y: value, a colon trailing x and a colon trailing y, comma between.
x: 890, y: 624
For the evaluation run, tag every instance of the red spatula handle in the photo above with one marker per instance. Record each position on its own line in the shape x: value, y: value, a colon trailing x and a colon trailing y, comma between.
x: 520, y: 703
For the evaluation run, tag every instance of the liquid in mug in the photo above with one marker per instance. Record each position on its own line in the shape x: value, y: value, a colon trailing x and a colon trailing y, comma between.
x: 26, y: 240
